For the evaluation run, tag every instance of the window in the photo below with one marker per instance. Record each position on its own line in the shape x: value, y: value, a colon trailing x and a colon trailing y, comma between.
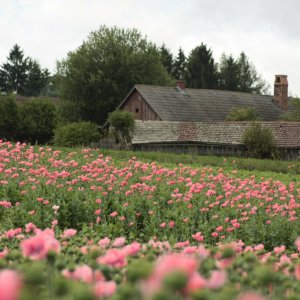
x: 136, y: 110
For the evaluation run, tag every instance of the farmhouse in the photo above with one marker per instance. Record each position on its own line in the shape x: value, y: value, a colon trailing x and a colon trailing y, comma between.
x: 162, y: 103
x: 217, y: 138
x: 184, y: 120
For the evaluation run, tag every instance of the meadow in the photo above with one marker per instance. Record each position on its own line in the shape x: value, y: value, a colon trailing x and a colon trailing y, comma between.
x: 94, y: 224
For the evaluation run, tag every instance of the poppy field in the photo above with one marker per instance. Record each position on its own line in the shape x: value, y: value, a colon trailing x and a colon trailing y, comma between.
x: 78, y: 224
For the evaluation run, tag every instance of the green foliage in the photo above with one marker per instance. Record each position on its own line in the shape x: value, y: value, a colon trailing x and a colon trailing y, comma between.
x: 243, y: 114
x: 179, y: 65
x: 37, y: 79
x: 166, y: 58
x: 246, y: 164
x: 122, y: 123
x: 13, y: 72
x: 97, y: 76
x: 228, y: 73
x: 67, y: 112
x: 240, y: 75
x: 22, y: 75
x: 294, y: 113
x: 76, y: 134
x: 201, y: 70
x: 249, y: 80
x: 37, y: 121
x: 260, y: 141
x: 8, y: 117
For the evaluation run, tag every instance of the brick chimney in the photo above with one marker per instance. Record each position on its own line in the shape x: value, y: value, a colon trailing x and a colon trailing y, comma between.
x: 281, y: 91
x: 180, y: 84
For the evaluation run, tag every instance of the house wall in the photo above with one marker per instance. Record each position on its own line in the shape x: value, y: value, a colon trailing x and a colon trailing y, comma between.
x: 210, y: 149
x: 192, y: 148
x: 137, y: 105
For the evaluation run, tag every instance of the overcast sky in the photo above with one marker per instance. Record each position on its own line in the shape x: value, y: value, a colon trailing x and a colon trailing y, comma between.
x: 268, y: 31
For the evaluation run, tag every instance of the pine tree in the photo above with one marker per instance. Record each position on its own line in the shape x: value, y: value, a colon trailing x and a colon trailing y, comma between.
x: 22, y: 75
x: 179, y: 65
x: 249, y: 80
x: 166, y: 58
x: 13, y: 73
x: 228, y: 74
x: 37, y: 79
x: 240, y: 75
x: 201, y: 70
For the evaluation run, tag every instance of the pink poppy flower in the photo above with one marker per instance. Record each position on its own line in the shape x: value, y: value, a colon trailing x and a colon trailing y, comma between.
x: 182, y: 244
x: 219, y: 228
x: 105, y: 288
x: 103, y: 243
x: 83, y: 273
x: 250, y: 296
x: 163, y: 225
x: 214, y: 234
x: 132, y: 249
x: 10, y: 285
x: 297, y: 272
x: 195, y: 283
x: 259, y: 247
x: 297, y: 243
x: 3, y: 253
x: 119, y: 242
x: 198, y: 236
x: 280, y: 249
x: 69, y: 233
x: 114, y: 258
x: 113, y: 214
x: 30, y: 227
x: 38, y: 246
x: 171, y: 224
x: 217, y: 279
x: 97, y: 212
x: 175, y: 262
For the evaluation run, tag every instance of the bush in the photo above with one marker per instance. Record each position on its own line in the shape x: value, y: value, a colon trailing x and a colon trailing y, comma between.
x: 8, y: 117
x: 260, y: 142
x: 122, y: 124
x: 243, y: 114
x: 76, y: 134
x: 37, y: 121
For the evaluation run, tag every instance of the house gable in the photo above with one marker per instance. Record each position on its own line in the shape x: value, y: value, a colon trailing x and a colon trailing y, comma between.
x: 136, y: 104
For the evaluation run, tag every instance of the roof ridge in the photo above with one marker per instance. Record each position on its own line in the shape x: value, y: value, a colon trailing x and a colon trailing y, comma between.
x: 205, y: 90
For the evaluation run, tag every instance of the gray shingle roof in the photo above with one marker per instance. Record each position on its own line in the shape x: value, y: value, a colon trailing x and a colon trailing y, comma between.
x: 287, y: 134
x: 199, y: 105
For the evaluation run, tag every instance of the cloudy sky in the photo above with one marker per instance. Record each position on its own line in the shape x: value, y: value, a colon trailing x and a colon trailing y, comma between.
x: 268, y: 31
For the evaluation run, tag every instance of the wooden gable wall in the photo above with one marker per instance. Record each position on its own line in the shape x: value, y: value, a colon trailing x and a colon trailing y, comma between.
x: 136, y: 104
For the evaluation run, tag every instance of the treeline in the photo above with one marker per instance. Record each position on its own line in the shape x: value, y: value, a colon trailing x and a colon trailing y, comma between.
x: 97, y: 76
x: 200, y: 70
x: 93, y: 79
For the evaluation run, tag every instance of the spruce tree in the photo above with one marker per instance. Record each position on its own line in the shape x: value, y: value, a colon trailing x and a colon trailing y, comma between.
x: 229, y: 74
x: 13, y: 72
x: 201, y: 70
x: 37, y: 79
x: 166, y: 58
x: 240, y: 75
x: 179, y: 65
x: 249, y: 80
x: 22, y: 75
